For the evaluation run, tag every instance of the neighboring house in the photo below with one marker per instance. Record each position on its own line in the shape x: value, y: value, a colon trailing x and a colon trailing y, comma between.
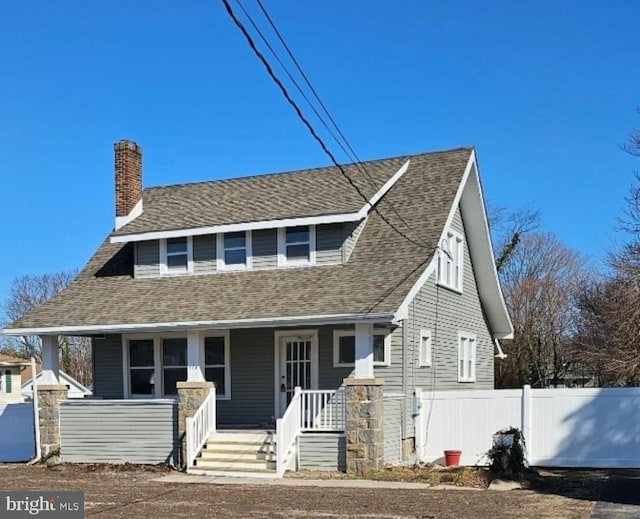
x: 76, y: 389
x: 10, y: 371
x: 267, y: 283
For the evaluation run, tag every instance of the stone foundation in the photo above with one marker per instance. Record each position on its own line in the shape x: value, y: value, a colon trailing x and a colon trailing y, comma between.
x: 364, y: 425
x: 49, y: 397
x: 190, y: 398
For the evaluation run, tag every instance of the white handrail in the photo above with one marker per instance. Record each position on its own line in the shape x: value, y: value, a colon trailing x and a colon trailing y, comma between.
x: 287, y: 430
x: 199, y: 427
x: 322, y: 410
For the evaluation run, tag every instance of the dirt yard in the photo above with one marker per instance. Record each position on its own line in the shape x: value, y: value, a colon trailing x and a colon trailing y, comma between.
x: 112, y: 491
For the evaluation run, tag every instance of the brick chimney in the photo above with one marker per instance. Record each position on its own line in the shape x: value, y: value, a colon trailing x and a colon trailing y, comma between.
x: 128, y: 166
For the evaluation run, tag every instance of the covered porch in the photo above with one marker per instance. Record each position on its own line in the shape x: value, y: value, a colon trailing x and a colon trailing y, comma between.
x: 289, y: 382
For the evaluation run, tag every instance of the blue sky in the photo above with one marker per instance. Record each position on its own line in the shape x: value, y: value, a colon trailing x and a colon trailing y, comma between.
x: 545, y: 90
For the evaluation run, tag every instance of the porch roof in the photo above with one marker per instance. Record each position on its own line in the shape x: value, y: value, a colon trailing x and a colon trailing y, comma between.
x: 381, y: 271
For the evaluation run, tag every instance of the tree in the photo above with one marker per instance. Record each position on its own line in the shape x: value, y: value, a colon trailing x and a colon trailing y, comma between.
x: 29, y: 292
x: 539, y: 282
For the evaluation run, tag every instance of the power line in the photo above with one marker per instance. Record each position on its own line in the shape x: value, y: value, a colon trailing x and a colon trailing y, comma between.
x: 354, y: 156
x: 302, y: 118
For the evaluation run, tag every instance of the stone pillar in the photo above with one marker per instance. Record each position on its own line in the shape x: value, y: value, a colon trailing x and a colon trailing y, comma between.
x: 49, y: 397
x: 190, y: 398
x: 364, y: 424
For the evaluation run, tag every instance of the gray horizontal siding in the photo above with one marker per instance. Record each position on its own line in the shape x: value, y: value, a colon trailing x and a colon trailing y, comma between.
x: 392, y: 430
x: 107, y: 367
x: 329, y: 239
x: 204, y: 254
x: 252, y: 379
x: 265, y: 249
x: 147, y: 259
x: 322, y: 451
x: 351, y: 233
x: 118, y: 432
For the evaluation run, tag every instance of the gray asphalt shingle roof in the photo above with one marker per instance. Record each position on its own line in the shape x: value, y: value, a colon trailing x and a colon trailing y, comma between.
x: 380, y: 272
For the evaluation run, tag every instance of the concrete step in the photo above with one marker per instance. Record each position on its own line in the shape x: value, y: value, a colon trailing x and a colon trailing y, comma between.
x: 270, y: 474
x: 245, y: 436
x: 258, y: 466
x: 214, y: 454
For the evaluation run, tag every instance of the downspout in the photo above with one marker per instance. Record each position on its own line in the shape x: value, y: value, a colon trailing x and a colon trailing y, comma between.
x: 36, y: 412
x: 405, y: 370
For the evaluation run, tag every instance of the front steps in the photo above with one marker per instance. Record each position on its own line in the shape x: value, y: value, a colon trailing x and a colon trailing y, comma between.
x: 238, y: 454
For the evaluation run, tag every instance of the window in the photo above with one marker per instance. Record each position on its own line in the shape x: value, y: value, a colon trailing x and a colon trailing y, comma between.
x: 344, y: 348
x: 234, y: 250
x: 425, y: 348
x: 174, y: 364
x: 296, y: 245
x: 216, y: 368
x: 466, y: 357
x: 176, y: 257
x: 450, y: 265
x: 155, y: 363
x: 141, y: 367
x: 5, y: 381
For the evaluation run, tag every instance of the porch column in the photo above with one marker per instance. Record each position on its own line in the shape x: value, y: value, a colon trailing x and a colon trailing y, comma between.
x: 50, y: 360
x: 364, y: 425
x: 190, y: 398
x: 195, y: 357
x: 364, y: 351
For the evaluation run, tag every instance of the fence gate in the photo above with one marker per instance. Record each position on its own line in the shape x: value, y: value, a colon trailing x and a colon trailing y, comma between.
x: 17, y: 433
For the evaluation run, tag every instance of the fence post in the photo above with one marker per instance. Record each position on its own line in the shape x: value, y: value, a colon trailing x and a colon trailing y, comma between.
x: 526, y: 422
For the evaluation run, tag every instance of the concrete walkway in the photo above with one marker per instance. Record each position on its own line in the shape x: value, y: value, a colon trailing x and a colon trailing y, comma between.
x: 620, y: 498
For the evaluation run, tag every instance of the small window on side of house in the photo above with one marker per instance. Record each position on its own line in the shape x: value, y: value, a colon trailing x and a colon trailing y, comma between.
x: 451, y: 261
x: 466, y: 357
x: 216, y: 365
x: 296, y: 245
x: 141, y: 367
x: 176, y: 256
x: 234, y: 250
x: 425, y: 348
x: 344, y: 349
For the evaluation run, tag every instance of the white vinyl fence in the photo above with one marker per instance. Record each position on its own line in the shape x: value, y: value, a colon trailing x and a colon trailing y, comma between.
x: 17, y: 434
x: 594, y: 427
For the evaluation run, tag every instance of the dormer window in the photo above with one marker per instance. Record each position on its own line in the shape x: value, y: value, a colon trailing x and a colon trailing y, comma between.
x: 234, y: 250
x: 296, y: 245
x: 176, y: 256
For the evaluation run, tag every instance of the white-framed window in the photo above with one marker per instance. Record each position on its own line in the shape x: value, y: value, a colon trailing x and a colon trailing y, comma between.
x: 234, y: 250
x: 466, y: 357
x: 216, y: 364
x: 344, y: 348
x: 154, y: 362
x: 5, y: 381
x: 297, y: 245
x: 451, y: 261
x: 176, y: 256
x: 174, y: 364
x: 425, y: 348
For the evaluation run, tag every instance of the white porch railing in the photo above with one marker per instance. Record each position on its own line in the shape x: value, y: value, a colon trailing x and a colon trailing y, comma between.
x: 199, y: 427
x: 323, y: 410
x: 287, y: 430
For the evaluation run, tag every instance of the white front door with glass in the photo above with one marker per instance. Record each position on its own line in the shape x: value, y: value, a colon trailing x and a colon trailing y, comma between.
x: 298, y: 366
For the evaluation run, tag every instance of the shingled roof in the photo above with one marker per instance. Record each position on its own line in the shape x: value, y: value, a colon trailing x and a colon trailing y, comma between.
x: 381, y: 271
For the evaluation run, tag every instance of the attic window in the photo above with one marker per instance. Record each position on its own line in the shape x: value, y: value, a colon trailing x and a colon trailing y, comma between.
x: 234, y: 250
x: 176, y: 255
x: 451, y: 258
x: 297, y: 245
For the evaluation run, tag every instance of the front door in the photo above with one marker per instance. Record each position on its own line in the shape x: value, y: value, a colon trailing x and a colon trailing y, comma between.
x: 298, y: 366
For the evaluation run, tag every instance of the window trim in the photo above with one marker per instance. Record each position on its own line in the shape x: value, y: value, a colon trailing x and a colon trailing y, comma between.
x: 227, y: 361
x: 457, y: 261
x: 337, y: 334
x: 220, y: 250
x: 5, y: 373
x: 164, y: 267
x: 282, y: 248
x: 424, y: 359
x: 470, y: 377
x: 158, y: 368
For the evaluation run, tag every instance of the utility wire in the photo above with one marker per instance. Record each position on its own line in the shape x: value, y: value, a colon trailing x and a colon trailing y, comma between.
x: 353, y: 156
x: 302, y: 118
